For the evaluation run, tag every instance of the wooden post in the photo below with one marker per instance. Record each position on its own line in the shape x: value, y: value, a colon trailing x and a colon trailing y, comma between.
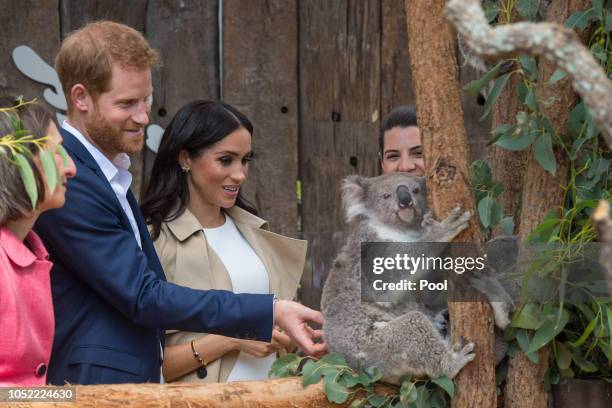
x: 440, y: 117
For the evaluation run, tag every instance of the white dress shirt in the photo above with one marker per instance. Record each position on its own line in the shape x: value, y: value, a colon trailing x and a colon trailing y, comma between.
x: 116, y: 172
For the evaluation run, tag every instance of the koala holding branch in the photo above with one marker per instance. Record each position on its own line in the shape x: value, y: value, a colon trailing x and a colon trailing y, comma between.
x: 389, y: 208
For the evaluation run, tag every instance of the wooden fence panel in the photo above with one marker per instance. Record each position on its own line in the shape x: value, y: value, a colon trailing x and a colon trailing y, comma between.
x: 260, y: 79
x: 340, y: 102
x: 76, y: 13
x: 186, y: 36
x: 396, y: 79
x: 35, y: 24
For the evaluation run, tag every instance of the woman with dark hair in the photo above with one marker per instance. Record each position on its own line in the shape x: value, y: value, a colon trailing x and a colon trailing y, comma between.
x: 208, y: 237
x: 27, y: 133
x: 400, y: 142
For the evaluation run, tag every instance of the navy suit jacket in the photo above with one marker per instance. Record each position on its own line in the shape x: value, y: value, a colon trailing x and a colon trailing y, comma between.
x: 111, y: 299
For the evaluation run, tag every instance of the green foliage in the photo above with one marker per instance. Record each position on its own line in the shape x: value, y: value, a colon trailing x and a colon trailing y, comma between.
x: 342, y: 384
x: 575, y: 318
x: 17, y: 147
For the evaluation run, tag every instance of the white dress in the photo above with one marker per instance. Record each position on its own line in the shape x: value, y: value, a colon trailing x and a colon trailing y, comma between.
x: 248, y: 275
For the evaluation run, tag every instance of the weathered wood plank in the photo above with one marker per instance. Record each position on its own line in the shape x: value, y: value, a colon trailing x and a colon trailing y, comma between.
x: 32, y: 23
x: 260, y: 79
x: 186, y: 36
x: 76, y: 13
x: 339, y: 111
x: 396, y: 79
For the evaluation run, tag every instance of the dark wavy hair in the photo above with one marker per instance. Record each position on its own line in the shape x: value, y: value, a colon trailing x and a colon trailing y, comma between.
x: 195, y: 127
x: 402, y: 116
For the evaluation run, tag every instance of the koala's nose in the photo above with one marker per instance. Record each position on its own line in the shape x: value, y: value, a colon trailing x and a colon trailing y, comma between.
x: 404, y: 198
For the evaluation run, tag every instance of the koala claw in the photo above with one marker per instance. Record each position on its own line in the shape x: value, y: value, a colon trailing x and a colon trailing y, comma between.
x: 460, y: 356
x: 428, y: 219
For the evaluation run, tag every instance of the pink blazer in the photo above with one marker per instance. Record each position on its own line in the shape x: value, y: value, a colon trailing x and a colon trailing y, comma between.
x: 26, y: 310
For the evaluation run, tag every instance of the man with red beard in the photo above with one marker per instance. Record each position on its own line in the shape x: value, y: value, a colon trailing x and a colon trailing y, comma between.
x: 112, y: 303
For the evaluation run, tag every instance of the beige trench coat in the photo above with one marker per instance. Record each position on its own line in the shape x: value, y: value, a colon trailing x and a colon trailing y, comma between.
x: 188, y: 260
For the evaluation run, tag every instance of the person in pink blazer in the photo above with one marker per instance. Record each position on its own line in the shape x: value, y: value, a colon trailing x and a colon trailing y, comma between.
x: 26, y: 309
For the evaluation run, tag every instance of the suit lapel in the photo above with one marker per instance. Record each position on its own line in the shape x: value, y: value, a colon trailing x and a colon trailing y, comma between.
x: 82, y: 155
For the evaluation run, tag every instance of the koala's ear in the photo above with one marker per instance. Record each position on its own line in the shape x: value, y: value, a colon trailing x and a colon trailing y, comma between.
x: 354, y: 192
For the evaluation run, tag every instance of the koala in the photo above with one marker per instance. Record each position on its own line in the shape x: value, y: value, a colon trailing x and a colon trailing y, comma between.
x: 398, y: 341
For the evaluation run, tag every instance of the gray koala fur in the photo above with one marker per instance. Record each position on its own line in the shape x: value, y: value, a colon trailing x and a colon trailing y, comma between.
x: 396, y: 340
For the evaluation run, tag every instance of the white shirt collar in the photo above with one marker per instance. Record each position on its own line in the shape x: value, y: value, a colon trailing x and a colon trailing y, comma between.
x: 110, y: 169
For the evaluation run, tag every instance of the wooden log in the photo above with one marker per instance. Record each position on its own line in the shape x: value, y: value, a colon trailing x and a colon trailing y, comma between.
x: 440, y: 117
x: 284, y: 392
x: 274, y: 393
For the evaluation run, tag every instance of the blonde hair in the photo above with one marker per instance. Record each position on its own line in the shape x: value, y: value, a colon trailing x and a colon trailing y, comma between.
x: 86, y: 55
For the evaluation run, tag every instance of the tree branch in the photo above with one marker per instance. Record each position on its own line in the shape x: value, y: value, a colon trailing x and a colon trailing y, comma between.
x: 555, y: 42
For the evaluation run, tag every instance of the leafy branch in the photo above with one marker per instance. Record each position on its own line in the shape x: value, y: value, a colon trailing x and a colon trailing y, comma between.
x: 342, y: 383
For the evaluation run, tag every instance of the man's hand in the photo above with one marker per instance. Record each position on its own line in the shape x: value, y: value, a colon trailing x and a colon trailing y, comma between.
x: 292, y: 317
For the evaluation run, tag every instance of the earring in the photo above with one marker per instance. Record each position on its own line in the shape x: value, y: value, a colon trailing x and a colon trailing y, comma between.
x: 185, y: 169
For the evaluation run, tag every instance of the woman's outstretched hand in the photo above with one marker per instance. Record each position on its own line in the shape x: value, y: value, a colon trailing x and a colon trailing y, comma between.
x: 293, y: 318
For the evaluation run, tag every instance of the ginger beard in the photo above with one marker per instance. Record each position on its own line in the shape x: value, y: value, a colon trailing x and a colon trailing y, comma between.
x: 111, y: 138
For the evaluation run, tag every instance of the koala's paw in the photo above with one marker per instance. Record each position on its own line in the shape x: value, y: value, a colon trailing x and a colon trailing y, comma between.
x: 456, y: 222
x: 428, y: 220
x: 501, y: 314
x: 460, y: 355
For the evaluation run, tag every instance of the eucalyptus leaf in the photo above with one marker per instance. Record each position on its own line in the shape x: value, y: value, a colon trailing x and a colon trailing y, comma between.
x: 564, y: 356
x: 585, y: 335
x: 408, y: 392
x: 530, y: 100
x: 527, y: 9
x: 529, y: 65
x: 311, y: 373
x: 446, y: 384
x: 544, y: 153
x: 597, y: 6
x: 499, y: 85
x: 507, y: 225
x: 522, y: 338
x: 47, y: 160
x: 584, y: 364
x: 422, y: 397
x: 349, y: 379
x: 548, y: 331
x: 377, y: 400
x: 334, y: 358
x: 580, y: 19
x: 517, y: 140
x: 476, y: 85
x: 576, y: 119
x: 491, y: 10
x: 334, y: 391
x: 27, y: 177
x: 556, y: 77
x: 489, y: 211
x: 528, y: 317
x: 598, y: 52
x: 62, y: 152
x: 533, y: 357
